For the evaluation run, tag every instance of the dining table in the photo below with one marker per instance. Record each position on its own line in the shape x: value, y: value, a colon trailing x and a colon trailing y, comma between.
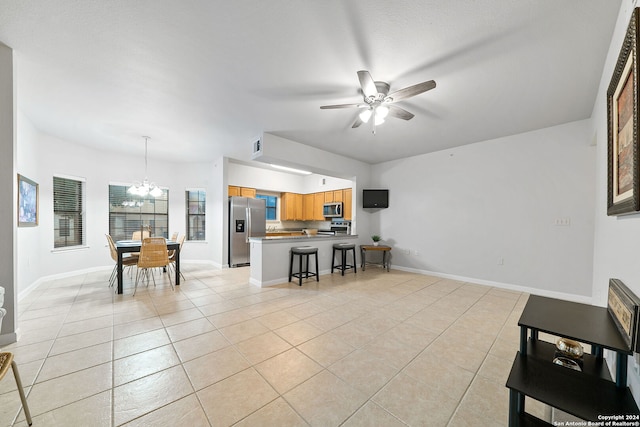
x: 129, y: 246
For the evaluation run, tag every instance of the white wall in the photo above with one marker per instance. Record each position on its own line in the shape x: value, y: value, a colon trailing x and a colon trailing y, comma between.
x: 616, y: 239
x: 28, y: 161
x: 244, y: 175
x: 263, y: 179
x: 463, y: 211
x: 8, y: 191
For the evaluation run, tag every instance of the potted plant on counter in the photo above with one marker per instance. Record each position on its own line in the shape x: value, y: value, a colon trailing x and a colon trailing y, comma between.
x: 376, y: 239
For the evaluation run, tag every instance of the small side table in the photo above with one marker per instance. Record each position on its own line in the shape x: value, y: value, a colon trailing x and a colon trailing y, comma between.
x: 385, y: 254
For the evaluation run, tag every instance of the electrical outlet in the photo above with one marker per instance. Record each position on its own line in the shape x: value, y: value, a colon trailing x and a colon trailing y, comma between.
x: 566, y: 221
x: 500, y: 261
x: 416, y: 253
x: 405, y: 251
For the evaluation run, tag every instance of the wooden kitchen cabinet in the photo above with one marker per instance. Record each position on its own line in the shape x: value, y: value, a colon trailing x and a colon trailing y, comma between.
x: 291, y: 209
x: 333, y: 196
x: 318, y: 204
x: 347, y: 194
x: 307, y: 207
x: 234, y: 190
x: 248, y: 192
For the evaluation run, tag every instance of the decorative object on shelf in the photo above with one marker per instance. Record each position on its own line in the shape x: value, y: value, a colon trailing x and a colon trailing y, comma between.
x: 567, y: 363
x: 27, y: 202
x: 569, y: 348
x: 623, y: 305
x: 145, y: 187
x: 623, y: 176
x: 376, y: 239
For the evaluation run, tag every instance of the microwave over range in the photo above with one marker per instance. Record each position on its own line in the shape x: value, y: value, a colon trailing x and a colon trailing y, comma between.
x: 332, y: 210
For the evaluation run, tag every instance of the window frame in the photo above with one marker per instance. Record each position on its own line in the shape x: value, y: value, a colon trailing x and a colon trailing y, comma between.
x: 80, y: 226
x: 275, y: 209
x: 202, y: 203
x: 126, y: 216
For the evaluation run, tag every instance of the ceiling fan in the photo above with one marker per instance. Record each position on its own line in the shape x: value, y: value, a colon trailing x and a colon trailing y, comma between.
x: 378, y: 103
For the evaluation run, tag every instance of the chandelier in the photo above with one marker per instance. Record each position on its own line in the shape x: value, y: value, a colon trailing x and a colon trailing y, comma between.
x: 145, y: 187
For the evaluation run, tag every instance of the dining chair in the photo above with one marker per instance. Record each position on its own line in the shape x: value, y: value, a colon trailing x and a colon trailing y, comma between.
x: 172, y: 255
x: 6, y: 360
x: 127, y: 260
x: 174, y: 236
x: 153, y: 254
x: 138, y: 235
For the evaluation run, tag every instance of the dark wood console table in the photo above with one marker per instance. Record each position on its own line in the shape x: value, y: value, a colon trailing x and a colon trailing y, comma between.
x: 590, y: 394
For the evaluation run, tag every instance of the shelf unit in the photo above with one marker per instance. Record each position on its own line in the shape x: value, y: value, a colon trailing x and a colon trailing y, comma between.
x: 587, y: 394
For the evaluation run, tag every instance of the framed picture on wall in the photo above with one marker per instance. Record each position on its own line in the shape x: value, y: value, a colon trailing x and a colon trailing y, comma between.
x: 623, y: 175
x: 27, y: 202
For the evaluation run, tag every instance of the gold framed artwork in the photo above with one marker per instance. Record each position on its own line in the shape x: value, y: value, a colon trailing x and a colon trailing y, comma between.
x: 622, y: 118
x: 27, y: 202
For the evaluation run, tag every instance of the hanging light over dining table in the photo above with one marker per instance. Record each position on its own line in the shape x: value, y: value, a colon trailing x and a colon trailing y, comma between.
x: 145, y: 187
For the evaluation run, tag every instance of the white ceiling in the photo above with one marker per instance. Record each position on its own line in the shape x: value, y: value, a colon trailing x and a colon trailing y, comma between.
x: 204, y: 77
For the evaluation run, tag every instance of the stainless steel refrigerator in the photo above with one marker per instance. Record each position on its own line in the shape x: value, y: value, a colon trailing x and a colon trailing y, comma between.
x: 247, y: 218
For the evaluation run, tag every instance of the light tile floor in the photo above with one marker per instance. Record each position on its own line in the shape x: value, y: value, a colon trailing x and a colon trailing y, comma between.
x: 374, y: 348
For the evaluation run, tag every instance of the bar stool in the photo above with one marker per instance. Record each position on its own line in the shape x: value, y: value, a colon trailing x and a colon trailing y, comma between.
x: 344, y: 248
x: 6, y: 360
x: 303, y: 251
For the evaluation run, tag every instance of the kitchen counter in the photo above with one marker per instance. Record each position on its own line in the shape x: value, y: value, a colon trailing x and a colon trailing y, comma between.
x: 270, y: 255
x: 315, y: 236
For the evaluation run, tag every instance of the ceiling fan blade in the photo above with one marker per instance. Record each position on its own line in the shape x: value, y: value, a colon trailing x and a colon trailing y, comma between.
x: 367, y: 84
x: 330, y: 107
x: 410, y: 91
x: 400, y: 113
x: 357, y: 123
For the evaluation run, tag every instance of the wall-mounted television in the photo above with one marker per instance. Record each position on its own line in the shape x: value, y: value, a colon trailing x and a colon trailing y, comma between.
x: 374, y: 198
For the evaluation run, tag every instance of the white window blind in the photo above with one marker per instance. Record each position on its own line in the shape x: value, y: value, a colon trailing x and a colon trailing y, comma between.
x: 68, y: 212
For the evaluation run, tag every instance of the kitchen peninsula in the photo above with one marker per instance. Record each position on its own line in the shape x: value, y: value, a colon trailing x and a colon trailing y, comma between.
x: 270, y: 255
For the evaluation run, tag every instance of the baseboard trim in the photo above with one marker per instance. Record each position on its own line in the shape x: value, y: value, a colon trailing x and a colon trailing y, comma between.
x: 507, y: 286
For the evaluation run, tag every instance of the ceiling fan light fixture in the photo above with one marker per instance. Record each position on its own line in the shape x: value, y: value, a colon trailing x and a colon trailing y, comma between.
x: 382, y: 112
x: 378, y: 120
x: 366, y: 115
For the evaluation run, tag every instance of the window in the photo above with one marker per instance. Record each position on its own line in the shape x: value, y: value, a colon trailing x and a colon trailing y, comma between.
x: 129, y: 213
x: 271, y: 204
x: 195, y: 214
x: 68, y: 214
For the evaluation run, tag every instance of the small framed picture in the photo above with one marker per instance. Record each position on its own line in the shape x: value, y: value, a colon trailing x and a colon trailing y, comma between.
x: 27, y: 202
x: 622, y: 305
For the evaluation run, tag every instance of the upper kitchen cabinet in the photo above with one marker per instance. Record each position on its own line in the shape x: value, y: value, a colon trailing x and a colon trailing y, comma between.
x: 242, y: 191
x: 291, y: 207
x: 346, y: 203
x: 318, y: 204
x: 333, y: 196
x: 248, y: 192
x: 308, y: 207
